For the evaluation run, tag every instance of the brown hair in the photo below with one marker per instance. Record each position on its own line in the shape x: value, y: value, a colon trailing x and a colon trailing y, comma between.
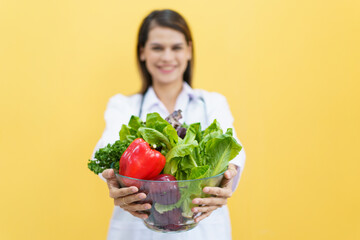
x: 164, y: 18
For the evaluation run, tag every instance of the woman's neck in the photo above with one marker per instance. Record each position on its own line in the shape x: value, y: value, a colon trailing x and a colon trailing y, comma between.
x: 168, y: 93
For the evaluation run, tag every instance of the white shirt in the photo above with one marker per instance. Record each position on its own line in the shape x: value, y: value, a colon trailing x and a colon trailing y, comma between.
x: 197, y: 106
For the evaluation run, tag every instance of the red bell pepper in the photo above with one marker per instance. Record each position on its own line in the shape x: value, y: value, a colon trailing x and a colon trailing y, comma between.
x: 140, y: 161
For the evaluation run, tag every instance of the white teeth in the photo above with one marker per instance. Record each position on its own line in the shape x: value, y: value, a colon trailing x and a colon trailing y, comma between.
x: 167, y: 68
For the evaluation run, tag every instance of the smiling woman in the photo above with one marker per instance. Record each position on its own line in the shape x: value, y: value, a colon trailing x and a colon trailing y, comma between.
x: 166, y: 55
x: 165, y: 59
x: 165, y: 33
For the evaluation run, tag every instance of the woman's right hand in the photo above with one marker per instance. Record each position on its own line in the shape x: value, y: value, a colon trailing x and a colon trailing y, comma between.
x: 125, y: 197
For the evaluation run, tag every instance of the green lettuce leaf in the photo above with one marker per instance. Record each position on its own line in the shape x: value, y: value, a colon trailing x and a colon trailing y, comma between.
x: 171, y: 134
x: 219, y: 151
x: 200, y: 172
x: 155, y: 121
x: 154, y: 137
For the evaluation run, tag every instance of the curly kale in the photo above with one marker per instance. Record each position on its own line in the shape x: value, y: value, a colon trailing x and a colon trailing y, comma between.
x: 108, y: 157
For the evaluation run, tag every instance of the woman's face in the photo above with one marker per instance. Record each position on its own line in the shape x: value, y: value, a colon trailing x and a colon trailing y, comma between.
x: 166, y: 55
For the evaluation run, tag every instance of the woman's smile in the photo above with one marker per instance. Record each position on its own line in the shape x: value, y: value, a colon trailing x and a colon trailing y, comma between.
x: 167, y: 69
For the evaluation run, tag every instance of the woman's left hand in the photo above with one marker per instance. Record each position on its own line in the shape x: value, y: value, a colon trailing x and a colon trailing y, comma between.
x: 220, y: 195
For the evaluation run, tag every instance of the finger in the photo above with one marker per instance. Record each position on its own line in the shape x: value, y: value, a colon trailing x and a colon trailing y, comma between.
x: 137, y: 207
x: 218, y: 191
x: 204, y: 209
x: 128, y: 199
x: 212, y: 201
x: 121, y: 192
x: 202, y: 216
x: 139, y: 215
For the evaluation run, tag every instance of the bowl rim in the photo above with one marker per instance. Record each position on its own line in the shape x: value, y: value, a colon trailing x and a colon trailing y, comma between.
x: 189, y: 180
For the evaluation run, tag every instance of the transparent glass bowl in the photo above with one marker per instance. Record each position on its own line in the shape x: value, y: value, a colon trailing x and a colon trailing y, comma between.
x: 171, y: 201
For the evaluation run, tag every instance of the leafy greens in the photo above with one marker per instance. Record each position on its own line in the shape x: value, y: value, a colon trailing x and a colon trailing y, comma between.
x: 200, y: 154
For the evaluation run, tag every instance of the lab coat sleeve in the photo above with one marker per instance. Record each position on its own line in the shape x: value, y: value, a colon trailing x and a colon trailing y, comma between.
x: 219, y: 109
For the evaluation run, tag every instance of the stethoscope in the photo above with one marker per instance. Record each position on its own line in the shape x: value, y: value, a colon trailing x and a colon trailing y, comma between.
x: 185, y: 110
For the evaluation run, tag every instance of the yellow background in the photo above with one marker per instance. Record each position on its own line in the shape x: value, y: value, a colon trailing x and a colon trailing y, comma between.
x: 290, y: 71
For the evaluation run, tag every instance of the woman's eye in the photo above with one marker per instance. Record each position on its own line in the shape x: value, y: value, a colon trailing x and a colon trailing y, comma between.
x: 157, y: 48
x: 177, y: 48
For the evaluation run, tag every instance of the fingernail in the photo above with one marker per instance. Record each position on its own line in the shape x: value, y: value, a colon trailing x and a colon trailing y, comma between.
x: 134, y: 189
x: 195, y: 210
x: 143, y: 195
x: 206, y: 190
x: 196, y: 201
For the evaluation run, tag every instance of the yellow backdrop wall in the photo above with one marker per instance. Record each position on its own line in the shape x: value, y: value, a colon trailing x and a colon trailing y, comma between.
x: 290, y: 71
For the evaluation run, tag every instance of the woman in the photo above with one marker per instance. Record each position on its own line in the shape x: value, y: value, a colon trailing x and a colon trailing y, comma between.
x: 165, y: 58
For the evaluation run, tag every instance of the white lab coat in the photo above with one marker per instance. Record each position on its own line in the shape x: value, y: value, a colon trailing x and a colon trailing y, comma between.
x: 197, y: 106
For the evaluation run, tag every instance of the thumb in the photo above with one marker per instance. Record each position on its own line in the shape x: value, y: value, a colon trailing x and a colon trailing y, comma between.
x: 231, y: 172
x: 110, y: 178
x: 228, y: 176
x: 108, y: 174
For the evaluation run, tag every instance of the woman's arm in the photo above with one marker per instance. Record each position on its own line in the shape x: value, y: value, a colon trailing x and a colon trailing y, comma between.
x: 117, y: 112
x: 220, y: 195
x: 218, y: 109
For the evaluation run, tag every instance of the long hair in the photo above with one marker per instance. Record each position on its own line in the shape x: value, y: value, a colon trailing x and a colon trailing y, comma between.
x: 163, y: 18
